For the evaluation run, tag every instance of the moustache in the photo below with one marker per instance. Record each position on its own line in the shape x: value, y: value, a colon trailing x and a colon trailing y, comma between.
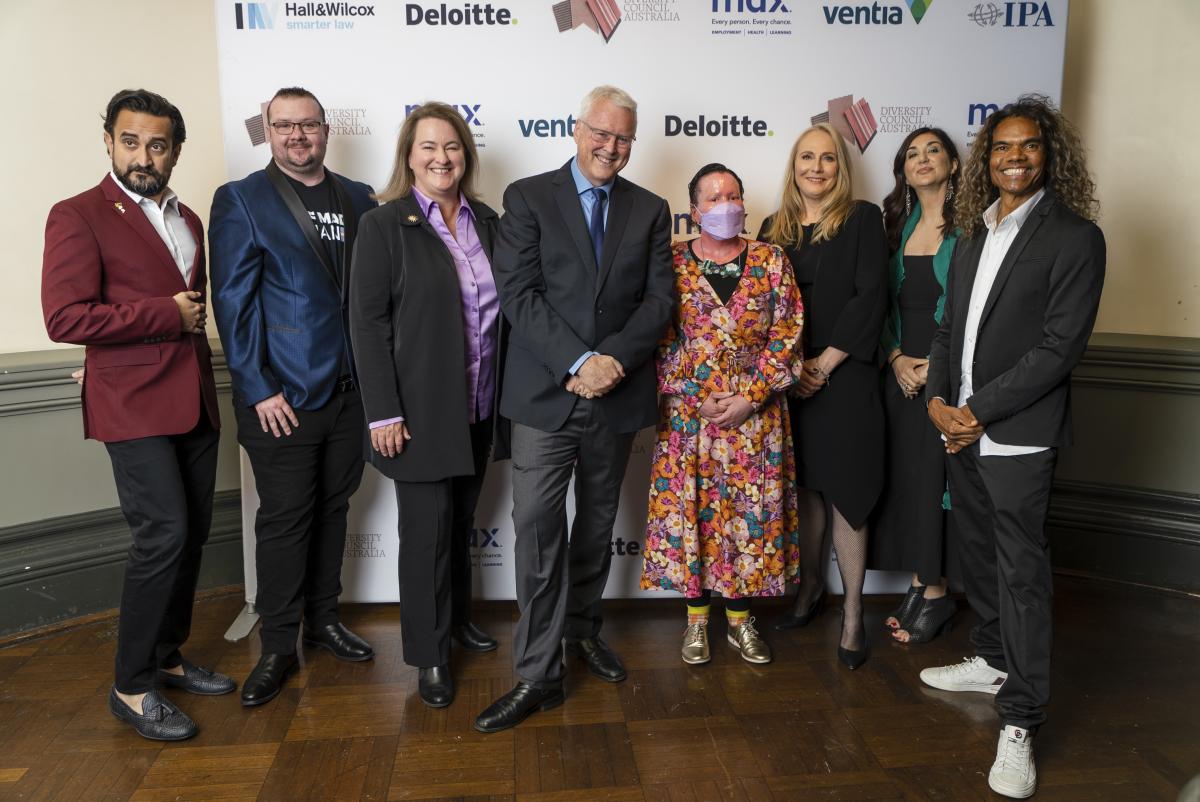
x: 148, y: 169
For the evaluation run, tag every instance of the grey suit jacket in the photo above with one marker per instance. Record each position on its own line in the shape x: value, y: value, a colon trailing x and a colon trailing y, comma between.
x: 560, y: 304
x: 1034, y: 329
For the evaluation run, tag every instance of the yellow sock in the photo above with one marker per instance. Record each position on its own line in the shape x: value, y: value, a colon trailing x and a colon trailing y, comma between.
x: 736, y: 618
x: 698, y: 615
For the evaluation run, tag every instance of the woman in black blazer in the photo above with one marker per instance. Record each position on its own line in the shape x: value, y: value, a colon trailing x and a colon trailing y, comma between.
x: 426, y: 328
x: 837, y: 248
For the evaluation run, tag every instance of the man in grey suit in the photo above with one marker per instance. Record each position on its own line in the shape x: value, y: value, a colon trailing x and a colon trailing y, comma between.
x: 583, y: 268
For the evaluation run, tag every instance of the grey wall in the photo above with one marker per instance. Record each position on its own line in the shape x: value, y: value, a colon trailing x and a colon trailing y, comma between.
x: 1126, y: 503
x: 62, y: 538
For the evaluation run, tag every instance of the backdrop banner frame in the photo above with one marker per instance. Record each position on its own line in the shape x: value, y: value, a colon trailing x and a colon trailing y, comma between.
x: 517, y: 69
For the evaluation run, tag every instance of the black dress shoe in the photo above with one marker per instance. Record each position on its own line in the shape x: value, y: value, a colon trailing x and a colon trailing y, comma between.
x: 159, y: 720
x: 798, y: 617
x: 473, y: 639
x: 266, y: 680
x: 198, y: 679
x: 435, y: 685
x: 601, y: 660
x: 344, y: 644
x: 517, y: 705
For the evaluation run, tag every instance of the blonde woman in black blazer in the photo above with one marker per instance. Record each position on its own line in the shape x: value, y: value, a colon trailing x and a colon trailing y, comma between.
x: 426, y: 326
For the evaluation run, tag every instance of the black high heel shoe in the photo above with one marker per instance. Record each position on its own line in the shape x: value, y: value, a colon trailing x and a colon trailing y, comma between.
x: 796, y: 618
x: 853, y: 658
x: 935, y: 617
x: 908, y: 608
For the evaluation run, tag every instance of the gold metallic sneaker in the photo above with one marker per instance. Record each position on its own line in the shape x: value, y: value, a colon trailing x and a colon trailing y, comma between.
x: 695, y: 644
x: 745, y: 638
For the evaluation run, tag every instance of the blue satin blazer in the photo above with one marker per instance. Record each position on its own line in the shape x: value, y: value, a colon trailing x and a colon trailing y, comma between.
x: 281, y: 316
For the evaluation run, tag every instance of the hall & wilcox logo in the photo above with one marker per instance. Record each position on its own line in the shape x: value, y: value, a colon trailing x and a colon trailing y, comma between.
x: 310, y: 16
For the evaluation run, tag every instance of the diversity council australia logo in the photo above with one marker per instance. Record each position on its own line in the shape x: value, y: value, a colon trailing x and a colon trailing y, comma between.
x: 854, y: 120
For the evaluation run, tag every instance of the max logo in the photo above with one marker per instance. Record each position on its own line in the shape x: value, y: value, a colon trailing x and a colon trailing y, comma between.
x: 470, y: 113
x: 484, y: 539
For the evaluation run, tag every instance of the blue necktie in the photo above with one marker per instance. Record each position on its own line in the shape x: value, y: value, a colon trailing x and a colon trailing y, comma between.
x: 596, y: 224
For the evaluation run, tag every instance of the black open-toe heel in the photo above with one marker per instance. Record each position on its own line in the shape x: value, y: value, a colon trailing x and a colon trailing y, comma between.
x: 798, y: 618
x: 909, y: 605
x: 935, y: 617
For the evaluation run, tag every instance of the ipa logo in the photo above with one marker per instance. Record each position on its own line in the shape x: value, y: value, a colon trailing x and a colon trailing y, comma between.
x: 254, y: 16
x: 1013, y: 15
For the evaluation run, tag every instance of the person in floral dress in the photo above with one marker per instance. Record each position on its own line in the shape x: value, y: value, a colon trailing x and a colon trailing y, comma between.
x: 723, y: 511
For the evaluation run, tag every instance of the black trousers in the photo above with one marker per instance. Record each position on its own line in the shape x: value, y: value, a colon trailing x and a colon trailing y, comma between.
x: 999, y: 505
x: 559, y: 582
x: 435, y: 520
x: 165, y: 485
x: 304, y: 482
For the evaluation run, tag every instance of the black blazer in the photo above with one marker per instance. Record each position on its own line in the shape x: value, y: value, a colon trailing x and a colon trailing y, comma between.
x: 407, y: 330
x: 1034, y: 330
x: 848, y: 301
x: 560, y: 305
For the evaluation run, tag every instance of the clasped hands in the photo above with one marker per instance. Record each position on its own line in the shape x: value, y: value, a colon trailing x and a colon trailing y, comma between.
x: 958, y: 424
x: 728, y: 410
x: 596, y: 376
x: 911, y: 374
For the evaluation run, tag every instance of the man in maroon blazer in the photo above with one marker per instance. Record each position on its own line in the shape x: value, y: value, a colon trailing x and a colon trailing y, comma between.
x: 123, y: 274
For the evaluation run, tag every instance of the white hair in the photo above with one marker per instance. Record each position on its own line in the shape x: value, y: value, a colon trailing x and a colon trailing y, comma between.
x: 618, y: 97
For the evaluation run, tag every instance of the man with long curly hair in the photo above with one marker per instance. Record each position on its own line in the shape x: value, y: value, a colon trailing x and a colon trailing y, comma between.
x: 1021, y: 300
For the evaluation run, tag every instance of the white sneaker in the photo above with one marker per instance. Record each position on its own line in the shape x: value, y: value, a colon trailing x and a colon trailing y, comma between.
x: 972, y: 674
x: 1013, y: 774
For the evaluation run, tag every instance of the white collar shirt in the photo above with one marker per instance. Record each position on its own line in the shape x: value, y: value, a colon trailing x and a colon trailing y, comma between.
x: 1000, y: 238
x: 170, y: 226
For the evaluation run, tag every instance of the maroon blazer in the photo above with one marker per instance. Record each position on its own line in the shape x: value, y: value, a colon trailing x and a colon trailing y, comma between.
x: 108, y: 283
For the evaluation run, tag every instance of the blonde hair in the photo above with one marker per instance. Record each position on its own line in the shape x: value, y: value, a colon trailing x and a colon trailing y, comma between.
x: 401, y: 181
x: 786, y: 226
x: 618, y: 97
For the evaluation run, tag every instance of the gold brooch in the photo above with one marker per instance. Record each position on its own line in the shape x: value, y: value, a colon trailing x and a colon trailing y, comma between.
x: 119, y: 207
x: 412, y: 218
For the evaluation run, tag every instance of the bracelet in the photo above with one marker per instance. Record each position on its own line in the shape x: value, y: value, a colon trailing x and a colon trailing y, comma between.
x: 824, y: 376
x: 895, y: 356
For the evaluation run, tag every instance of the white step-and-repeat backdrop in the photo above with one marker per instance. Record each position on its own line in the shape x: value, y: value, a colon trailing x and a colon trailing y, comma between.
x: 716, y: 80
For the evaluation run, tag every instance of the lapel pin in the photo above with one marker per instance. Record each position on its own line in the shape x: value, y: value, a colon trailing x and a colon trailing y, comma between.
x: 412, y: 218
x: 119, y: 207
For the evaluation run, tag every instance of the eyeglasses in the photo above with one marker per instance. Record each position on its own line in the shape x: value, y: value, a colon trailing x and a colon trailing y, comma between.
x: 602, y: 137
x: 285, y: 127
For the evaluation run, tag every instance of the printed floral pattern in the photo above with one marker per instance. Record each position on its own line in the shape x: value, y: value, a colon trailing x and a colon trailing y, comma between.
x: 723, y: 512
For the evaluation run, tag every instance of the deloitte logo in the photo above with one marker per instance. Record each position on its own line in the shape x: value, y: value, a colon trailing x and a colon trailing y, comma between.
x: 875, y: 14
x: 1012, y: 15
x: 725, y: 125
x: 467, y: 14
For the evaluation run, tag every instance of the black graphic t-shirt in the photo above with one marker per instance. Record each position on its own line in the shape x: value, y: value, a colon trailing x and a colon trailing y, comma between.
x: 322, y: 204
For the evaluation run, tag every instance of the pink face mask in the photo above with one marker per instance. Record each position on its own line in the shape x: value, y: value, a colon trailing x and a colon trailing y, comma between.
x: 724, y: 221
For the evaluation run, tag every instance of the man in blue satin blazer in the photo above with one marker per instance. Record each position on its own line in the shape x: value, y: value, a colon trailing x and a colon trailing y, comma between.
x: 280, y: 242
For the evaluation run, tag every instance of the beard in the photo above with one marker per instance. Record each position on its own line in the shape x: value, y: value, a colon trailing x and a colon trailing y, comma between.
x: 149, y: 184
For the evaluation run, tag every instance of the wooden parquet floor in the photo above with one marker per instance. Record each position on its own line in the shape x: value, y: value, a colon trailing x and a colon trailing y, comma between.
x: 1124, y: 723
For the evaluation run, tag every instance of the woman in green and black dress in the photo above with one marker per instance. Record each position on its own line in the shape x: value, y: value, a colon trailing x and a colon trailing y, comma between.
x: 910, y: 523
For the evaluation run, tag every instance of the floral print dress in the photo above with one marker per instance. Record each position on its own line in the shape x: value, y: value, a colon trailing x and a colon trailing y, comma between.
x: 723, y: 508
